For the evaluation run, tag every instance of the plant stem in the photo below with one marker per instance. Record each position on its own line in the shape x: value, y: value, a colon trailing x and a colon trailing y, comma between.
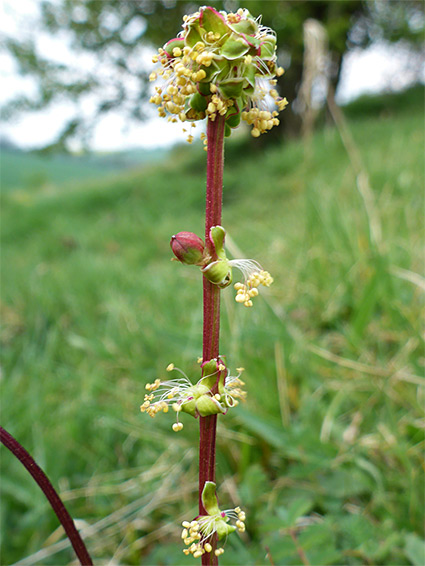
x: 49, y: 491
x: 211, y: 326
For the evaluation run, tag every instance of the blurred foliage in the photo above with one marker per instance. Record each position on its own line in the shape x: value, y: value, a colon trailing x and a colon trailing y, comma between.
x: 20, y: 169
x: 114, y: 34
x: 326, y: 456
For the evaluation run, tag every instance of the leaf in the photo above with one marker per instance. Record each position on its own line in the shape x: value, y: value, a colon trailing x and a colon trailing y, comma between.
x: 231, y: 88
x: 211, y: 20
x: 415, y: 549
x: 198, y: 102
x: 245, y: 26
x: 234, y: 48
x: 268, y: 47
x: 299, y: 508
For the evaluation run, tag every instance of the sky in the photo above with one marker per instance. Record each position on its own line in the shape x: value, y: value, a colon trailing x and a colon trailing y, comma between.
x: 378, y: 68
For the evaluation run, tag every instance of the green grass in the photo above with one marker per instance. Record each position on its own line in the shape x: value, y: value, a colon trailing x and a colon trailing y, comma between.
x: 326, y: 454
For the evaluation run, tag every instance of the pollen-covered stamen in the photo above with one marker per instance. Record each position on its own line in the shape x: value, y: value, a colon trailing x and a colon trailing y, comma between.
x: 238, y: 516
x: 254, y: 276
x: 174, y: 392
x: 232, y: 390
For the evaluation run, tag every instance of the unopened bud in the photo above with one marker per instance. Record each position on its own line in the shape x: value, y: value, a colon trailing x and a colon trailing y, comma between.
x: 188, y: 248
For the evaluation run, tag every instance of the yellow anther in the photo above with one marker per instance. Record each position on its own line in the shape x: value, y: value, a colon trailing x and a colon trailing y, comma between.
x: 170, y: 367
x: 208, y: 547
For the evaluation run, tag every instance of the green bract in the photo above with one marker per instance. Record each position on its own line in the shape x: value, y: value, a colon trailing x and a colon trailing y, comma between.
x: 220, y: 64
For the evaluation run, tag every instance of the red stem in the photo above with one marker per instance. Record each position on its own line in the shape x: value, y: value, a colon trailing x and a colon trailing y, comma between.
x: 211, y: 328
x: 49, y: 491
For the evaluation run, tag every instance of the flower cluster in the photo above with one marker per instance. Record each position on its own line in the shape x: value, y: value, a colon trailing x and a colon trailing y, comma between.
x: 197, y: 534
x: 220, y: 64
x: 196, y: 400
x: 190, y: 249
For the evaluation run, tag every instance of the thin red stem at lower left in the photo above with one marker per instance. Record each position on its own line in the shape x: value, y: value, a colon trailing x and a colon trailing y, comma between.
x: 49, y: 491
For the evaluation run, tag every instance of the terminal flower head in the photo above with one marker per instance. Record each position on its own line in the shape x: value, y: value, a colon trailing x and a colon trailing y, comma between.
x: 220, y: 64
x: 197, y: 534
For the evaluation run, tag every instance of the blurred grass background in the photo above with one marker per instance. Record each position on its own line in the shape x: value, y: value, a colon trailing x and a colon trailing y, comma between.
x: 326, y: 455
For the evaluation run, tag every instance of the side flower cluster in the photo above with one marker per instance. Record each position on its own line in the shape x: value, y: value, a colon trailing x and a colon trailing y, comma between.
x: 190, y: 249
x: 220, y: 64
x: 198, y: 534
x: 216, y: 392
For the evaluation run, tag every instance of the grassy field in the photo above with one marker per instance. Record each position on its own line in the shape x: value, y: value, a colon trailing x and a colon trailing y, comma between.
x: 326, y: 455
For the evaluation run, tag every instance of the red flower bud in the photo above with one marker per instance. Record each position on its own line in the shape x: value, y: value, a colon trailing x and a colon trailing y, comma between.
x: 188, y: 248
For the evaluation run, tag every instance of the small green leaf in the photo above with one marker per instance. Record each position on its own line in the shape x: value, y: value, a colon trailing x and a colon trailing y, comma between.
x: 248, y: 26
x: 193, y: 35
x: 172, y: 44
x: 268, y: 47
x: 231, y: 88
x: 198, y: 102
x: 209, y: 498
x: 211, y: 20
x: 234, y: 48
x: 415, y: 549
